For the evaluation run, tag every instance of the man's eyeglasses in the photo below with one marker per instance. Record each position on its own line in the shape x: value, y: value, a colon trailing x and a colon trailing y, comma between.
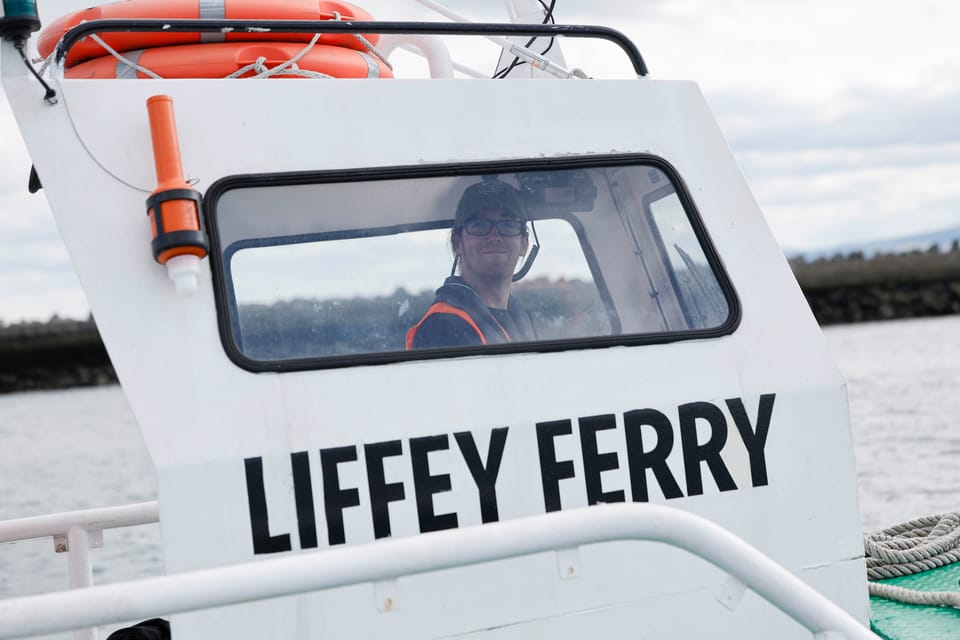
x: 506, y: 228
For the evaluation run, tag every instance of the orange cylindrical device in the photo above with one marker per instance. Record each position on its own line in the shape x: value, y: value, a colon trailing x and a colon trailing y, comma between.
x: 174, y: 206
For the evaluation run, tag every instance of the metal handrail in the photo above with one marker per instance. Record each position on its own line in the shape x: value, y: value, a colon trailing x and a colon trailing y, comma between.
x: 58, y: 524
x: 77, y: 532
x: 387, y: 559
x: 330, y: 26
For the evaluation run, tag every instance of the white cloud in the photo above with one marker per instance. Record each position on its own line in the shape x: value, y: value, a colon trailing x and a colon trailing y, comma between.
x: 870, y: 202
x: 841, y: 114
x: 30, y: 294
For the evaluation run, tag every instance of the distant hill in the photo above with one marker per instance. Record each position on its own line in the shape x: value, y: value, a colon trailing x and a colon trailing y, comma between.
x: 943, y: 239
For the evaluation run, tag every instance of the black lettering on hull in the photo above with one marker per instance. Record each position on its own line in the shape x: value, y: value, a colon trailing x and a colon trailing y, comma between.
x: 263, y: 542
x: 649, y: 440
x: 484, y: 475
x: 335, y: 499
x: 382, y: 493
x: 426, y: 484
x: 639, y: 460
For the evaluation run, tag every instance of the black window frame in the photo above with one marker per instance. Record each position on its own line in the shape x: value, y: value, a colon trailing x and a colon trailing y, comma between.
x: 223, y: 285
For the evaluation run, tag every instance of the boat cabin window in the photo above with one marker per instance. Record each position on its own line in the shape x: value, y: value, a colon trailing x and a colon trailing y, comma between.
x: 314, y: 271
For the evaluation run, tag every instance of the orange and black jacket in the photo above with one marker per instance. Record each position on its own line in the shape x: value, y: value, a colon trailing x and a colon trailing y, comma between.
x: 457, y: 318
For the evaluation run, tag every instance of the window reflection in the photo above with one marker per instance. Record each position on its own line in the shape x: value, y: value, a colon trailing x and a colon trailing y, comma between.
x: 317, y: 270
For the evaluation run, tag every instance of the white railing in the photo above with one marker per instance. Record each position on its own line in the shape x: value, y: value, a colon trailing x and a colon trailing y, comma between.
x: 75, y: 533
x: 388, y: 559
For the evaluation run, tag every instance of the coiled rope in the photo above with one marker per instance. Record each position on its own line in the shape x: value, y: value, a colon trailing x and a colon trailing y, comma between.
x: 372, y: 50
x: 124, y: 60
x: 909, y: 548
x: 286, y: 68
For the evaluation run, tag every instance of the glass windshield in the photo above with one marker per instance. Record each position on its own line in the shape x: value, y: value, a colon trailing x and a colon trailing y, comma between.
x: 402, y: 266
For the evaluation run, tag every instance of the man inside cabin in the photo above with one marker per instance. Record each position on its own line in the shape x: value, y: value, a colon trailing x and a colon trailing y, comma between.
x: 489, y: 239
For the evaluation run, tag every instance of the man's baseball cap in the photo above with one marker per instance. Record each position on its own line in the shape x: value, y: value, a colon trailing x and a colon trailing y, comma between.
x: 489, y: 193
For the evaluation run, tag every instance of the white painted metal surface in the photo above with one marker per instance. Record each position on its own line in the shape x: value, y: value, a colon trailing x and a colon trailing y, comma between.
x: 203, y: 417
x: 431, y: 48
x: 433, y: 552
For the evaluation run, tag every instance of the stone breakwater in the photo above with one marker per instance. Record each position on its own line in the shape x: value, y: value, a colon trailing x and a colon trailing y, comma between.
x: 68, y: 353
x: 57, y: 354
x: 884, y: 287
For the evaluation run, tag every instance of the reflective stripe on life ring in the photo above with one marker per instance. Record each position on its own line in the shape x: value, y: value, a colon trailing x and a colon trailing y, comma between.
x: 218, y: 60
x: 88, y: 49
x: 213, y: 10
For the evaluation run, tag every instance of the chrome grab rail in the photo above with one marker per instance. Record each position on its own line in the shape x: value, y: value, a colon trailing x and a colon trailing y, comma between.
x: 387, y: 559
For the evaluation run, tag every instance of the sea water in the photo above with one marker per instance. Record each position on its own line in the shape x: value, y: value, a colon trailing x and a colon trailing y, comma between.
x: 903, y: 386
x: 81, y: 448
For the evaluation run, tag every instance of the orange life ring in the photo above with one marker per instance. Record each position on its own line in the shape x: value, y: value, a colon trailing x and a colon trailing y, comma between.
x: 191, y: 9
x: 218, y: 60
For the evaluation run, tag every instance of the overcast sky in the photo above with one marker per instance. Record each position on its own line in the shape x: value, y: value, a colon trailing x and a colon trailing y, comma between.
x: 843, y: 114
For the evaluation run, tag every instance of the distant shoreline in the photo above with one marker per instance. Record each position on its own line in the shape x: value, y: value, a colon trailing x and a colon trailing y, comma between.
x: 852, y: 288
x: 57, y: 354
x: 60, y: 354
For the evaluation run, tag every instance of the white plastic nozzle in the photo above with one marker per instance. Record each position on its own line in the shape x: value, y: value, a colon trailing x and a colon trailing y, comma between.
x: 184, y: 271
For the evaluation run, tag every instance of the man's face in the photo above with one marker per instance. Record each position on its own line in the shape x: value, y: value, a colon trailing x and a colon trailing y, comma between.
x: 491, y: 255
